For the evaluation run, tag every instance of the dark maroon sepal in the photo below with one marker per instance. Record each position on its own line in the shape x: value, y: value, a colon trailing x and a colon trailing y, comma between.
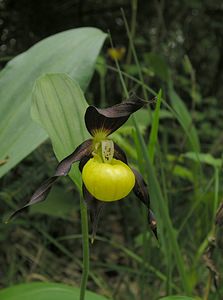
x: 119, y: 154
x: 219, y: 215
x: 83, y: 161
x: 95, y: 208
x: 62, y: 169
x: 111, y: 118
x: 80, y: 152
x: 40, y: 195
x: 153, y: 223
x: 141, y: 191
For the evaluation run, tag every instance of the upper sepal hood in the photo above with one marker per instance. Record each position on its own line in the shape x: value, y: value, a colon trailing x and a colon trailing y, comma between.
x: 110, y: 119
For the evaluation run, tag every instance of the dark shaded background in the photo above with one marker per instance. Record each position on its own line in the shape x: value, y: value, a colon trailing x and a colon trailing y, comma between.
x: 172, y: 28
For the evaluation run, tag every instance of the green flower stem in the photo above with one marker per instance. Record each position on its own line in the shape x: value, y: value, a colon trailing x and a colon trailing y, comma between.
x: 85, y: 245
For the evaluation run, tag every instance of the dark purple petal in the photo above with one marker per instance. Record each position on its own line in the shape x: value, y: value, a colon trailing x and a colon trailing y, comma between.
x: 111, y: 118
x: 40, y: 195
x: 153, y: 223
x: 81, y: 151
x: 83, y: 161
x: 219, y: 215
x: 95, y: 208
x: 62, y: 169
x: 141, y: 191
x: 119, y: 154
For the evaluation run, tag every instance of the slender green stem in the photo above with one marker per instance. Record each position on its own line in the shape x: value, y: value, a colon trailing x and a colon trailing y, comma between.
x: 134, y: 53
x: 119, y: 71
x: 85, y: 245
x: 134, y: 4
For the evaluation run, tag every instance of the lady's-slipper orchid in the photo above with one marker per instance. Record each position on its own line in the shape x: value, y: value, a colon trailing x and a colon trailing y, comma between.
x: 105, y: 172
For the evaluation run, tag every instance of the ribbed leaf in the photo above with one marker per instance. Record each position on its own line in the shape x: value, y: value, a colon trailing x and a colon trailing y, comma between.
x: 59, y: 106
x: 74, y: 52
x: 45, y: 291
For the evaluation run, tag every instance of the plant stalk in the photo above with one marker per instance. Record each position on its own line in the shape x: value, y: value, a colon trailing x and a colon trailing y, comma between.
x: 85, y: 245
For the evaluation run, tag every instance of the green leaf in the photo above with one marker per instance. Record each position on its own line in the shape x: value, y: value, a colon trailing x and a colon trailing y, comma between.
x: 166, y: 231
x: 60, y: 203
x: 45, y: 291
x: 183, y: 172
x: 177, y: 298
x: 74, y: 52
x: 158, y: 64
x: 165, y: 114
x: 101, y: 66
x: 59, y: 107
x: 205, y: 158
x: 142, y: 117
x: 154, y: 130
x: 184, y: 118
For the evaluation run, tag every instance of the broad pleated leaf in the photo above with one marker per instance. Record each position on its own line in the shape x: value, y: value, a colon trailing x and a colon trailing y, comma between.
x: 59, y: 107
x: 45, y: 291
x: 74, y: 52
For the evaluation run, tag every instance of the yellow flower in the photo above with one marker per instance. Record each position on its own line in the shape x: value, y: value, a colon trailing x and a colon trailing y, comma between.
x: 116, y: 53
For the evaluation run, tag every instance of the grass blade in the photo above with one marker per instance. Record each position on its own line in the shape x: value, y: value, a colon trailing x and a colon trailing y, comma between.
x: 154, y: 130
